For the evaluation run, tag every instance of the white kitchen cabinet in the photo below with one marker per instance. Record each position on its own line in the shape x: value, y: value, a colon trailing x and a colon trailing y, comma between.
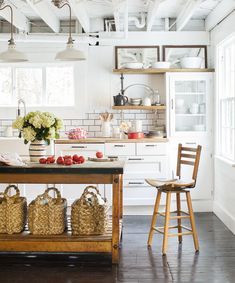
x: 190, y: 104
x: 143, y: 160
x: 189, y: 115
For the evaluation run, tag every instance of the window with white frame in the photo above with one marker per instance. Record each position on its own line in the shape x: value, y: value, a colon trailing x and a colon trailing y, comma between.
x: 226, y: 99
x: 44, y: 86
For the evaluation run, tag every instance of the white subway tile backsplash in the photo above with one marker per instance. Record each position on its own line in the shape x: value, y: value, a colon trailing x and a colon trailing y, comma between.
x: 94, y: 128
x: 92, y: 124
x: 88, y: 122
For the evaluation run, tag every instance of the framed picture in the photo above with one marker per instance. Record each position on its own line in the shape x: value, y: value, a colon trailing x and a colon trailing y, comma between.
x: 173, y: 53
x: 136, y: 57
x: 109, y: 24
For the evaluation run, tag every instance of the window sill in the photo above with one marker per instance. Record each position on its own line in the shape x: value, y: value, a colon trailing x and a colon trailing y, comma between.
x: 225, y: 160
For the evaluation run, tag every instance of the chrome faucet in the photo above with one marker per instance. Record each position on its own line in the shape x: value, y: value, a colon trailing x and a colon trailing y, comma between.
x: 21, y: 101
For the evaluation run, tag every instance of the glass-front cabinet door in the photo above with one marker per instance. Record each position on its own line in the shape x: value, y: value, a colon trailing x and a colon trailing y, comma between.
x: 189, y: 103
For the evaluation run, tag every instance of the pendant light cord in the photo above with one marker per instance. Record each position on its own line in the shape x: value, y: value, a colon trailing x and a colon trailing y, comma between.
x: 70, y: 40
x: 11, y: 40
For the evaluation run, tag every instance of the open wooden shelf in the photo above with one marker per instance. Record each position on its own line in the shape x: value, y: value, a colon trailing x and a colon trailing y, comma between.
x: 140, y: 107
x: 159, y: 71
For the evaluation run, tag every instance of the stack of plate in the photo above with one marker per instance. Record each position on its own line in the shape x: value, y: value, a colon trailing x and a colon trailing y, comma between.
x: 135, y: 101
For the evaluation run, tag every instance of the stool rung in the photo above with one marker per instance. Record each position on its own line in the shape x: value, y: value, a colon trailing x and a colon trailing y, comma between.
x: 180, y: 234
x: 163, y: 214
x: 159, y: 229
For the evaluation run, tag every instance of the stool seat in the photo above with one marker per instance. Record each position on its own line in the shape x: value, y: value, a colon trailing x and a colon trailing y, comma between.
x: 186, y: 156
x: 171, y: 184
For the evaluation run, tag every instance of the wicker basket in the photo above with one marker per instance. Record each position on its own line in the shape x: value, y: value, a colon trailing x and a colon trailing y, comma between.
x: 13, y: 210
x: 47, y: 215
x: 88, y: 216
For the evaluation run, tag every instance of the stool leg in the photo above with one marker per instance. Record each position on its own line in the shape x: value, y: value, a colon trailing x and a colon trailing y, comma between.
x: 154, y: 217
x: 179, y: 214
x: 192, y: 221
x: 167, y: 221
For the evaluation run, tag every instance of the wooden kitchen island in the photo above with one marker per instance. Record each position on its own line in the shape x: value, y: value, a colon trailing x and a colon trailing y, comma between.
x: 87, y: 173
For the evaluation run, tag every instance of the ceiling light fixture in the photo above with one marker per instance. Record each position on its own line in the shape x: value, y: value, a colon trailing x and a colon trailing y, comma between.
x: 70, y: 53
x: 11, y: 55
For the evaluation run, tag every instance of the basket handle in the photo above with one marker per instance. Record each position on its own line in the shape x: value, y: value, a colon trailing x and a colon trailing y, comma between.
x: 92, y: 188
x: 17, y: 194
x: 57, y: 192
x: 85, y: 193
x: 46, y: 196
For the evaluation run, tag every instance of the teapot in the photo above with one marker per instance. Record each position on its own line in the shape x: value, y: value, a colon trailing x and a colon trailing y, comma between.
x: 120, y: 100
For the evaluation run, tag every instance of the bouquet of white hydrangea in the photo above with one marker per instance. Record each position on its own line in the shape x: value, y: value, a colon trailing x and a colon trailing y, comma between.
x: 38, y: 126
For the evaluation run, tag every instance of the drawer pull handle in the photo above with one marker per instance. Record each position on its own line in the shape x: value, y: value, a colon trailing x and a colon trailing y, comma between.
x: 136, y: 183
x: 150, y: 145
x: 119, y: 145
x: 190, y: 143
x: 135, y: 159
x: 79, y: 146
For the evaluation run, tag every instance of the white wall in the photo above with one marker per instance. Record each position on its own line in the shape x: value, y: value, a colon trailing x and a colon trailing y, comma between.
x: 95, y: 82
x: 224, y: 180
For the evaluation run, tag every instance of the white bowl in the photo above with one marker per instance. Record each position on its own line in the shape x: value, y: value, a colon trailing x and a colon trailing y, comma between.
x: 161, y: 65
x: 133, y: 65
x: 191, y: 62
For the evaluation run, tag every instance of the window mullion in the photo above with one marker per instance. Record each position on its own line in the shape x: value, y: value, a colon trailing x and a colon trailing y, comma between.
x: 44, y: 95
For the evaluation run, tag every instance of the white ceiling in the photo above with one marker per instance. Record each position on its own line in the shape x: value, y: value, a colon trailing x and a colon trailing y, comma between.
x: 105, y: 8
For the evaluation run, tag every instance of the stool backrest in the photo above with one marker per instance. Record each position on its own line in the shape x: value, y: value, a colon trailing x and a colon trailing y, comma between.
x: 188, y: 156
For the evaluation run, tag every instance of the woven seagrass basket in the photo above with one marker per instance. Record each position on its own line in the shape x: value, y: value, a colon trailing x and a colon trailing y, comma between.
x: 47, y: 215
x: 13, y: 210
x: 88, y: 216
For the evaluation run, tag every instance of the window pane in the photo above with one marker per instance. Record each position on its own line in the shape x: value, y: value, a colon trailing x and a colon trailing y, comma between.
x: 29, y: 85
x: 60, y: 86
x: 5, y: 86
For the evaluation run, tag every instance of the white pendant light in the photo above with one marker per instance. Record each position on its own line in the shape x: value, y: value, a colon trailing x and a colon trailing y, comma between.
x: 70, y: 53
x: 11, y: 55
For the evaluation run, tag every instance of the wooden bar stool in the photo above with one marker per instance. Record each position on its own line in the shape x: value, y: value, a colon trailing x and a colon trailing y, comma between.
x: 186, y: 156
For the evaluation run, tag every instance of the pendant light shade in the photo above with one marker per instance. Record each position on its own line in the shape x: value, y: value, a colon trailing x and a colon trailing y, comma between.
x: 11, y: 55
x: 70, y: 53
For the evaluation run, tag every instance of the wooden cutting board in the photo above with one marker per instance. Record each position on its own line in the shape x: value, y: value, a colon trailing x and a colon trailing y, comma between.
x: 108, y: 159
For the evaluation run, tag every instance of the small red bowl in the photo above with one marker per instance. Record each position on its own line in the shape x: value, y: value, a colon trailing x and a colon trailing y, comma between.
x: 136, y: 135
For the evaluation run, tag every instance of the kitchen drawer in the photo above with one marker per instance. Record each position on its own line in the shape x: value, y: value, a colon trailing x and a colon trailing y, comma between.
x: 87, y: 150
x: 138, y: 192
x: 151, y: 148
x: 120, y: 149
x: 146, y: 167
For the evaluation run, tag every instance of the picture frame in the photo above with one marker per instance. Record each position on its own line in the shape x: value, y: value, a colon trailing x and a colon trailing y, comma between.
x: 173, y: 53
x: 143, y: 55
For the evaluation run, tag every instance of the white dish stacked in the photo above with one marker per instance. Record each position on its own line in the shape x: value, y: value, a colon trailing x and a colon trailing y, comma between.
x: 135, y: 101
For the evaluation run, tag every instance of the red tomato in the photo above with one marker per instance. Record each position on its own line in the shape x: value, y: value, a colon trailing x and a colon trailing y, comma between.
x: 68, y: 161
x: 99, y: 154
x: 75, y: 158
x: 51, y: 159
x: 60, y: 160
x: 81, y: 159
x: 42, y: 160
x: 67, y: 157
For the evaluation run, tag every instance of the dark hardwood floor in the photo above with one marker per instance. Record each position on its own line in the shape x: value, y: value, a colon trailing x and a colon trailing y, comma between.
x: 214, y: 264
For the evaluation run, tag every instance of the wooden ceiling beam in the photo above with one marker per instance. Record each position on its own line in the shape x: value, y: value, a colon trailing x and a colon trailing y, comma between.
x: 42, y: 9
x: 79, y: 10
x: 152, y: 12
x: 19, y: 19
x: 187, y: 13
x: 219, y: 13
